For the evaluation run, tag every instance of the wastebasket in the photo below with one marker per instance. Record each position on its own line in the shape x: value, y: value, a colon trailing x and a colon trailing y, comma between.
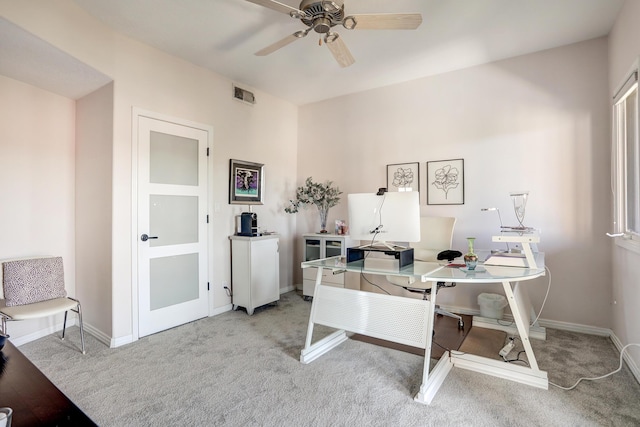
x: 492, y: 305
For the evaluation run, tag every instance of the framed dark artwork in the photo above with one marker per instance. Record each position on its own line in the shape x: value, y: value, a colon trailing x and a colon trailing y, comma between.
x: 403, y: 177
x: 445, y: 182
x: 246, y: 183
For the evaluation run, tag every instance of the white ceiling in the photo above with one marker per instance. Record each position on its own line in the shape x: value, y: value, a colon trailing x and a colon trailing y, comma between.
x: 223, y: 35
x: 29, y: 59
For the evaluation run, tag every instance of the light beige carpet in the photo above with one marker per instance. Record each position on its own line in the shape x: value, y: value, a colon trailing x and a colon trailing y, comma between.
x: 239, y: 370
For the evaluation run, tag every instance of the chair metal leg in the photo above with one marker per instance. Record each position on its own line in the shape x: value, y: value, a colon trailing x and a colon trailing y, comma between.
x: 81, y: 327
x: 79, y: 312
x: 64, y: 324
x: 454, y: 316
x: 4, y: 325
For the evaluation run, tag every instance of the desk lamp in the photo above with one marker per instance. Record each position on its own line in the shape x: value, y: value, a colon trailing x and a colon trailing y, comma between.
x: 500, y: 219
x: 519, y: 199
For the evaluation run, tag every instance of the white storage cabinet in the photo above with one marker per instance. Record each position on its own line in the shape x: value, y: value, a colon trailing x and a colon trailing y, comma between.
x: 318, y: 246
x: 255, y: 271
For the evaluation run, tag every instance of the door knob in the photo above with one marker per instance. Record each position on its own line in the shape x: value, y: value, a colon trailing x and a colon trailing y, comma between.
x: 144, y: 237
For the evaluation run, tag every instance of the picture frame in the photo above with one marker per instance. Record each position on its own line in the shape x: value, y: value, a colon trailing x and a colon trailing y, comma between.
x: 445, y: 182
x: 403, y: 177
x: 246, y: 182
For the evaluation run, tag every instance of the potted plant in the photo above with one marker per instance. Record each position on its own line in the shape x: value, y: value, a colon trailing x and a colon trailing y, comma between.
x: 322, y: 195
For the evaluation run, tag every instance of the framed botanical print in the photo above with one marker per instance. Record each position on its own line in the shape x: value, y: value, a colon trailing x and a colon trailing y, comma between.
x: 246, y: 183
x: 403, y: 177
x: 445, y: 182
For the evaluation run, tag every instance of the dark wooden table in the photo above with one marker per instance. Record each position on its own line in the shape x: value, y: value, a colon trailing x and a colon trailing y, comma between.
x: 34, y: 399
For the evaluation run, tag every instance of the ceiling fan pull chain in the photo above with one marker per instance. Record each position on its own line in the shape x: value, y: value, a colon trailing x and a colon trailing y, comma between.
x: 320, y: 41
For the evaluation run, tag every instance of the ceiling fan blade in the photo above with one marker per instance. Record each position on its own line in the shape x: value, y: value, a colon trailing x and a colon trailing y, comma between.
x: 277, y: 45
x: 278, y: 7
x: 383, y: 21
x: 339, y: 50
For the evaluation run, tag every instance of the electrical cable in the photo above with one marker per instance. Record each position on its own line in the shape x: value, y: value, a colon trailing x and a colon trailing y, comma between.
x: 601, y: 376
x: 517, y: 359
x: 502, y: 323
x: 442, y: 347
x: 374, y: 284
x: 362, y: 274
x: 545, y: 297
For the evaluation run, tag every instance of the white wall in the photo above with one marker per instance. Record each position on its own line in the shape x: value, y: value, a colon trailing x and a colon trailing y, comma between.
x: 151, y: 80
x: 37, y: 133
x: 538, y: 122
x: 264, y: 133
x: 93, y: 166
x: 624, y: 49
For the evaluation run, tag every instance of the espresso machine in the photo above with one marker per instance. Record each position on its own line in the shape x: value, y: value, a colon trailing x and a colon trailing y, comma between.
x: 247, y: 224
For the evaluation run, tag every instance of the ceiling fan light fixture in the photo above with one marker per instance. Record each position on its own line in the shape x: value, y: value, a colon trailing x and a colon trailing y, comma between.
x: 350, y: 22
x: 300, y: 34
x: 296, y: 14
x: 331, y: 37
x: 330, y: 6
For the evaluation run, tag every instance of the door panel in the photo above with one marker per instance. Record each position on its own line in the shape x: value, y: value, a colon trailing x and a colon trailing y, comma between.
x: 174, y: 280
x: 173, y: 217
x: 172, y: 228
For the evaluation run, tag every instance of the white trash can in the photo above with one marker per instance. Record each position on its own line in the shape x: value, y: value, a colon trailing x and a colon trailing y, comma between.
x: 492, y: 305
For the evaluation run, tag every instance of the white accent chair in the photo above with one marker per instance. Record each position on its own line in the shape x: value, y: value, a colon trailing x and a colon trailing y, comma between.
x: 33, y: 288
x: 436, y: 235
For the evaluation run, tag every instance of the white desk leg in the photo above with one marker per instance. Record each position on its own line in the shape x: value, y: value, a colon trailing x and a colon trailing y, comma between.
x: 307, y: 343
x: 311, y: 352
x: 431, y: 382
x: 518, y: 302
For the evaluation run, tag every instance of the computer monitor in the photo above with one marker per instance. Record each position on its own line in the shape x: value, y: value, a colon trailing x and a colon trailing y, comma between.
x: 384, y: 220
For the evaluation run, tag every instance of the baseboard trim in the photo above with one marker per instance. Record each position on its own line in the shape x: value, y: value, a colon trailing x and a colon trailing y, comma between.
x: 287, y: 289
x: 221, y: 310
x: 574, y: 327
x: 633, y: 366
x: 120, y: 341
x: 98, y: 334
x: 24, y: 339
x: 553, y: 324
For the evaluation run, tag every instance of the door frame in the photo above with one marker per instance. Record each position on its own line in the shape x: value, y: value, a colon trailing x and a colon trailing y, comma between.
x: 136, y: 113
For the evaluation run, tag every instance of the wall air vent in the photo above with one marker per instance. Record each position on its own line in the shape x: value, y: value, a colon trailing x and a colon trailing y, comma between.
x: 243, y: 95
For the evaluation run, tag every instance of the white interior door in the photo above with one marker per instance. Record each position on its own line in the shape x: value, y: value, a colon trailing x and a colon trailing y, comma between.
x: 172, y: 224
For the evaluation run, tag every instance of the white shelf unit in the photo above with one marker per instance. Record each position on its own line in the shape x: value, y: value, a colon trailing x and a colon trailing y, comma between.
x: 318, y: 246
x: 255, y: 271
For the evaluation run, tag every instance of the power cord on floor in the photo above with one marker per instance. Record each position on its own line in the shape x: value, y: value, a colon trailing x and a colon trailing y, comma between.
x: 517, y: 359
x: 602, y: 376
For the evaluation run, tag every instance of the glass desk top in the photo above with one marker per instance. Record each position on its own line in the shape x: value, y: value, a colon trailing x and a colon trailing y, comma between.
x: 437, y: 272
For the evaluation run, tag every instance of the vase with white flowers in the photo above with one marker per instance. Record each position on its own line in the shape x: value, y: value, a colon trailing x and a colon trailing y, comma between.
x: 323, y: 195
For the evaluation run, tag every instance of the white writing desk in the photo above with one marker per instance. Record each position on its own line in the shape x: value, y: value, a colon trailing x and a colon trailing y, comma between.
x: 409, y: 321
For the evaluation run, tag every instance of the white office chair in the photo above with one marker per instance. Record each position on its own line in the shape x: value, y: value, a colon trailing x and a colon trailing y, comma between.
x: 436, y: 235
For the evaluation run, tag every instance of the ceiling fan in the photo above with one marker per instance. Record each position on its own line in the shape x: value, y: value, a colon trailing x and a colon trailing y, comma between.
x: 321, y: 16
